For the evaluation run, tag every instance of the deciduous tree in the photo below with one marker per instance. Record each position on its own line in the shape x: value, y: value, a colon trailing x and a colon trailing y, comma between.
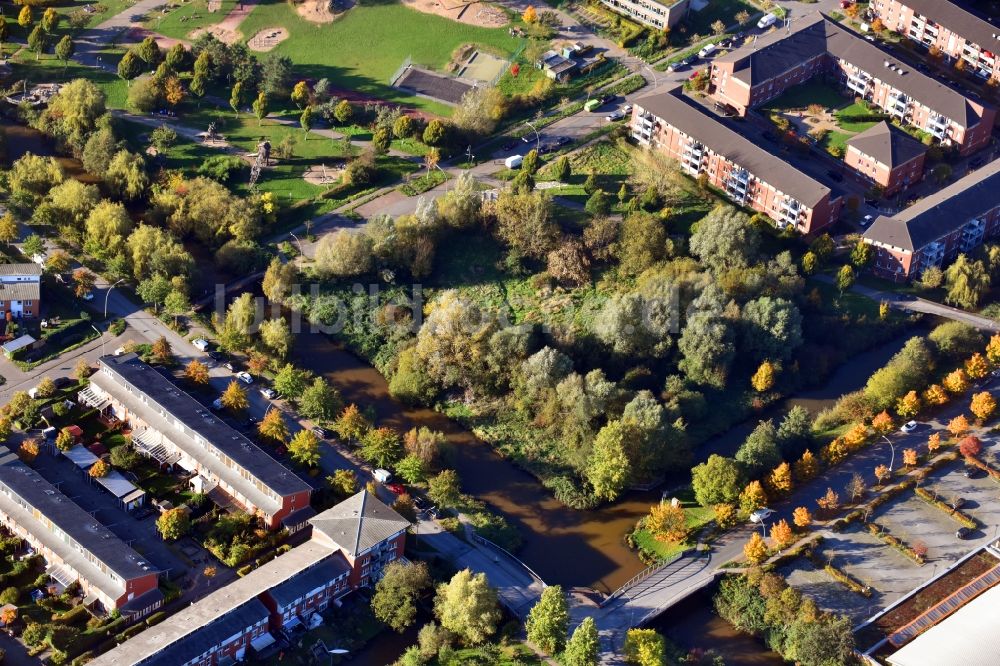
x: 807, y: 467
x: 977, y: 367
x: 173, y: 524
x: 644, y: 647
x: 882, y: 473
x: 719, y: 480
x: 667, y: 522
x: 958, y: 426
x: 983, y: 405
x: 755, y: 550
x: 273, y: 426
x: 583, y: 647
x: 381, y: 447
x: 935, y: 395
x: 609, y: 468
x: 304, y: 447
x: 781, y: 534
x: 445, y: 489
x: 779, y: 481
x: 352, y: 424
x: 548, y: 620
x: 234, y: 398
x: 763, y: 379
x: 99, y: 470
x: 397, y: 592
x: 467, y: 606
x: 970, y: 446
x: 909, y: 405
x: 910, y: 457
x: 801, y: 517
x: 956, y: 381
x: 830, y: 501
x: 752, y: 498
x: 882, y: 424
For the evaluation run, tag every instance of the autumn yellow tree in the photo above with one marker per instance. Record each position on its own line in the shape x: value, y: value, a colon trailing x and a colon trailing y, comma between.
x: 910, y: 457
x: 801, y: 517
x: 958, y: 426
x: 529, y: 15
x: 196, y: 372
x: 666, y: 522
x: 956, y: 381
x: 882, y: 423
x: 755, y: 550
x: 763, y: 379
x: 993, y: 350
x: 934, y: 442
x: 99, y: 470
x: 807, y: 467
x: 908, y: 406
x: 781, y: 534
x: 779, y: 481
x: 977, y: 366
x: 834, y: 452
x: 28, y: 450
x: 234, y: 398
x: 8, y: 616
x: 882, y: 473
x: 830, y: 501
x: 725, y: 515
x: 856, y: 436
x: 983, y: 405
x: 752, y: 498
x: 935, y: 395
x: 273, y: 426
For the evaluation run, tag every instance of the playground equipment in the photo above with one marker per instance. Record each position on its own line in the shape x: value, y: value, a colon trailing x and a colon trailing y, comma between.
x: 262, y: 160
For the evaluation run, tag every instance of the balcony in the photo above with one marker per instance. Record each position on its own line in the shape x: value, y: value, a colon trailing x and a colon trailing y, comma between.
x: 932, y: 255
x: 972, y: 235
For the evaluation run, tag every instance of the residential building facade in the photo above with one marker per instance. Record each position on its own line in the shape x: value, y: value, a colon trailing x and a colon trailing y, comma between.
x: 20, y: 290
x: 75, y: 546
x: 244, y: 616
x: 173, y: 428
x: 659, y: 15
x: 760, y: 71
x: 748, y: 174
x: 932, y: 232
x: 954, y: 31
x: 886, y: 156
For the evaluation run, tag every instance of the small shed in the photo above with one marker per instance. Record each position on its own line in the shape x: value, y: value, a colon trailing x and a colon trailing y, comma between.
x: 76, y: 431
x: 16, y: 344
x: 128, y: 495
x: 81, y: 457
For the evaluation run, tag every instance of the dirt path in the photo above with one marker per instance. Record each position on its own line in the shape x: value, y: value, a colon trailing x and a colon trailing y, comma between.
x: 227, y: 30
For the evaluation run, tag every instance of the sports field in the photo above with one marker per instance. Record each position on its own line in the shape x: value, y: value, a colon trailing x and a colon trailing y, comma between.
x: 362, y: 49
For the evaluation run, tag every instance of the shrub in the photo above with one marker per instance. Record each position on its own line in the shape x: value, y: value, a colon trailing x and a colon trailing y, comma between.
x: 156, y: 618
x: 117, y: 327
x: 221, y: 167
x: 959, y: 516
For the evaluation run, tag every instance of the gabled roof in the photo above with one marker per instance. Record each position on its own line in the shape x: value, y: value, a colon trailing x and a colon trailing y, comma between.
x: 811, y: 36
x: 941, y: 213
x: 27, y: 268
x: 689, y: 118
x: 359, y: 523
x: 888, y: 145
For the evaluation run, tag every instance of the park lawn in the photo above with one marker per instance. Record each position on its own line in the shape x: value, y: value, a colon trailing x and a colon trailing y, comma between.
x: 835, y: 138
x: 697, y: 517
x: 811, y: 92
x: 185, y: 18
x: 48, y: 68
x: 364, y: 48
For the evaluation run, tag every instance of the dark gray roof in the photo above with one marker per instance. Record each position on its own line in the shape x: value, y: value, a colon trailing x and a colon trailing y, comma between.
x: 215, y: 617
x: 689, y: 118
x: 316, y: 576
x: 19, y: 483
x: 27, y: 268
x: 200, y: 427
x: 959, y: 20
x: 889, y: 145
x: 812, y: 35
x: 359, y: 523
x: 20, y: 291
x: 941, y: 213
x: 207, y: 636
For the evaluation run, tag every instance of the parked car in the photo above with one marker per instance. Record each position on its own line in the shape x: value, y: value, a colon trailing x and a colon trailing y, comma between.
x: 201, y: 344
x: 217, y: 404
x: 244, y: 377
x: 766, y: 21
x: 89, y: 296
x: 690, y: 60
x: 228, y: 365
x: 215, y: 355
x: 760, y: 515
x: 396, y: 488
x: 909, y: 426
x: 958, y: 503
x: 382, y: 475
x: 708, y: 50
x: 963, y: 533
x: 268, y: 392
x: 627, y: 108
x: 971, y: 472
x: 615, y: 115
x: 322, y: 433
x: 866, y: 220
x: 119, y: 351
x: 561, y: 140
x: 676, y: 66
x: 835, y: 177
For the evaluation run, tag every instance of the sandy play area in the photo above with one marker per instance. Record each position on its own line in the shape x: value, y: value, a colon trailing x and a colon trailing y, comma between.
x: 322, y: 11
x: 320, y: 174
x: 267, y: 39
x: 472, y: 13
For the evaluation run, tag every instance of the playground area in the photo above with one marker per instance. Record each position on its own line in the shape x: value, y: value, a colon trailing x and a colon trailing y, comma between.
x: 482, y: 67
x: 479, y: 14
x: 265, y: 40
x: 322, y: 11
x: 323, y: 175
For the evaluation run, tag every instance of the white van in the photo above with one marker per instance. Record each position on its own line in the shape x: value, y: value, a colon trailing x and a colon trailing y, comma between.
x: 201, y: 344
x: 382, y: 475
x: 707, y: 51
x: 766, y: 21
x: 514, y: 161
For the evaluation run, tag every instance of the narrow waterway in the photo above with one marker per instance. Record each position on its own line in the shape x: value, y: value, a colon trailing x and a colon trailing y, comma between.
x: 22, y: 139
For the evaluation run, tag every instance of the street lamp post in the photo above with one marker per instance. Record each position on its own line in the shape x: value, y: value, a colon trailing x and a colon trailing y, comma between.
x: 653, y: 72
x: 107, y: 294
x: 298, y: 242
x: 892, y: 448
x: 101, y: 335
x: 538, y: 137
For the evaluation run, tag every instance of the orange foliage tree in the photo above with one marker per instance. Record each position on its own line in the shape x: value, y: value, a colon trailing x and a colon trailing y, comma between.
x: 958, y: 426
x: 755, y: 550
x: 753, y: 497
x: 807, y: 467
x: 970, y: 446
x: 801, y: 517
x: 882, y: 473
x: 934, y: 442
x: 983, y: 405
x: 993, y: 350
x: 910, y: 457
x: 666, y: 522
x: 977, y: 366
x: 779, y: 481
x: 830, y: 501
x: 935, y: 395
x: 956, y: 381
x: 882, y: 423
x: 909, y: 405
x: 781, y: 534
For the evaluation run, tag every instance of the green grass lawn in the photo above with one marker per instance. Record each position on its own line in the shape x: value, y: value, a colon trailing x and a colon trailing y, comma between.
x: 362, y: 50
x: 855, y: 109
x: 717, y: 10
x: 180, y: 22
x: 49, y: 68
x: 697, y: 517
x: 811, y: 92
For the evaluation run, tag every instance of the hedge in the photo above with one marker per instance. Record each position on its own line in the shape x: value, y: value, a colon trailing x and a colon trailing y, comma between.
x: 626, y: 85
x: 156, y: 618
x: 72, y: 616
x: 879, y: 532
x: 130, y: 632
x: 959, y: 516
x: 243, y: 571
x: 842, y: 576
x: 862, y: 117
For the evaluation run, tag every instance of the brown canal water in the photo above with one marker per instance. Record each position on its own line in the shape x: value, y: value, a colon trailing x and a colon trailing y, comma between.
x: 22, y: 139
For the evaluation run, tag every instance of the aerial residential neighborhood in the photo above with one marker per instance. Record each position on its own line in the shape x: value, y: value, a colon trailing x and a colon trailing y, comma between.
x: 425, y: 332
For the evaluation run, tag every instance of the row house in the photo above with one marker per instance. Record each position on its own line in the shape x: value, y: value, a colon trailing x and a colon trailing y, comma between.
x: 959, y: 34
x: 21, y: 289
x: 762, y: 70
x: 938, y: 228
x: 243, y: 618
x: 887, y: 157
x: 173, y: 428
x: 748, y: 174
x: 659, y: 15
x: 76, y: 547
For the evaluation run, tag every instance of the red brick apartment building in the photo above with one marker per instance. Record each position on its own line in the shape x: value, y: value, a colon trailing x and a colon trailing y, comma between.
x: 75, y: 546
x: 173, y: 428
x: 887, y: 156
x: 21, y: 289
x: 759, y: 72
x: 749, y: 175
x: 938, y: 228
x: 957, y: 32
x: 350, y: 545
